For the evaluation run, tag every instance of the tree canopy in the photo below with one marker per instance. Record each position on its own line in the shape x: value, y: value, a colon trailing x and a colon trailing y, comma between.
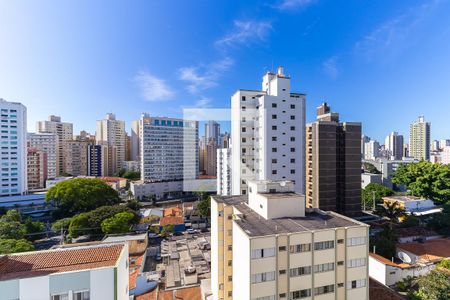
x: 130, y: 175
x: 204, y: 206
x: 425, y: 179
x: 435, y: 285
x: 391, y: 210
x: 119, y: 223
x: 79, y: 195
x: 11, y: 226
x: 441, y: 222
x: 384, y: 243
x: 8, y: 246
x: 369, y: 168
x: 376, y: 189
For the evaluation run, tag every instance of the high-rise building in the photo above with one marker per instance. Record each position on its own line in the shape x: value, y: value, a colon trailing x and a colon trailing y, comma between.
x: 212, y: 131
x: 127, y: 148
x: 444, y: 143
x: 224, y: 172
x: 394, y: 145
x: 75, y: 158
x: 135, y: 141
x: 267, y: 245
x: 371, y: 150
x: 48, y: 143
x: 268, y: 134
x: 333, y: 163
x: 419, y: 139
x: 224, y: 140
x: 364, y: 139
x: 85, y: 137
x: 445, y: 156
x: 13, y: 155
x: 169, y: 149
x: 111, y: 132
x: 211, y: 158
x: 63, y: 130
x: 95, y: 160
x: 36, y: 169
x: 435, y: 145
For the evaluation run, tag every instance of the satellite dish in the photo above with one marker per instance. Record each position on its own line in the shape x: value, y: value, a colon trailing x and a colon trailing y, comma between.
x: 404, y: 257
x: 283, y: 183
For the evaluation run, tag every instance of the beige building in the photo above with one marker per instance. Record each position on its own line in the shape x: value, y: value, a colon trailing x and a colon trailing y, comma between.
x: 419, y: 139
x: 75, y: 158
x: 36, y: 169
x: 63, y: 130
x: 266, y: 245
x: 111, y: 132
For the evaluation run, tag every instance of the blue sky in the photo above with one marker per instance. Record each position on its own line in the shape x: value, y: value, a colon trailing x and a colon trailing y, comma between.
x: 379, y: 62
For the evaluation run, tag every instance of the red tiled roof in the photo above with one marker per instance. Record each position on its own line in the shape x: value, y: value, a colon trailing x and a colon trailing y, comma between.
x: 171, y: 220
x: 387, y: 261
x: 135, y: 265
x: 191, y: 293
x: 147, y: 296
x: 378, y: 291
x: 40, y: 263
x: 428, y: 250
x: 173, y: 212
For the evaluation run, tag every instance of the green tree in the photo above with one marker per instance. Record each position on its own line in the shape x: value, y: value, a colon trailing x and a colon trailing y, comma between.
x: 435, y: 285
x: 61, y: 223
x: 119, y: 223
x: 169, y: 228
x: 425, y: 179
x: 11, y: 226
x: 377, y: 190
x: 79, y: 225
x: 131, y: 175
x: 204, y: 207
x: 8, y: 246
x: 384, y: 242
x: 79, y: 195
x: 134, y: 205
x: 34, y: 229
x: 441, y: 222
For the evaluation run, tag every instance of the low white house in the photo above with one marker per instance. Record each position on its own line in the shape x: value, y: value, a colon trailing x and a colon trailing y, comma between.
x: 368, y: 178
x: 94, y: 272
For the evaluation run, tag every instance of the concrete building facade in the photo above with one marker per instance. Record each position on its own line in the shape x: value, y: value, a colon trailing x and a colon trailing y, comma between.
x: 267, y: 245
x: 48, y: 143
x: 36, y: 169
x: 111, y: 132
x: 224, y: 172
x: 419, y: 139
x: 75, y: 158
x: 333, y: 163
x: 64, y: 132
x: 267, y: 132
x: 13, y: 143
x: 394, y: 145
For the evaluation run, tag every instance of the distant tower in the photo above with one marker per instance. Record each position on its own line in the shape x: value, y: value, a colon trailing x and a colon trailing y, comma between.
x: 419, y: 139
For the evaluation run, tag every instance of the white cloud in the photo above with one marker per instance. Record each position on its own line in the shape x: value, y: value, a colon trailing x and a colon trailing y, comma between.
x: 330, y: 67
x: 204, y: 77
x: 392, y: 36
x: 153, y: 88
x: 246, y: 32
x: 203, y: 102
x: 293, y: 4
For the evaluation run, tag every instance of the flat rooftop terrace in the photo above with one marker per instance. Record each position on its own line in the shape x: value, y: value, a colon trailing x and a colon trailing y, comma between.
x: 255, y: 225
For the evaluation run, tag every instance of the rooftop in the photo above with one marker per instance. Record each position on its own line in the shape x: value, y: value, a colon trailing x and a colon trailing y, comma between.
x: 378, y: 291
x: 41, y: 263
x: 171, y: 220
x: 388, y: 262
x: 124, y: 238
x: 429, y: 250
x: 404, y: 198
x: 255, y: 225
x: 190, y: 293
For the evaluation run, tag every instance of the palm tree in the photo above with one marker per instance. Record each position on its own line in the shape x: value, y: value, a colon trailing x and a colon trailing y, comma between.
x: 391, y: 210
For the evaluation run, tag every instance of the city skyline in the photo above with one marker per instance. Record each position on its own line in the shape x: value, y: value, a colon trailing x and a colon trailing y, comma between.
x: 59, y: 60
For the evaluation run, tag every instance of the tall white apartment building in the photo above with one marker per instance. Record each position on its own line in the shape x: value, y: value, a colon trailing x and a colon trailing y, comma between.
x: 419, y: 139
x: 135, y: 141
x: 394, y: 145
x: 266, y: 245
x: 445, y: 155
x: 63, y: 130
x: 13, y: 154
x: 268, y: 134
x: 48, y: 143
x: 212, y: 131
x: 224, y: 171
x: 371, y: 150
x: 169, y: 149
x: 112, y: 132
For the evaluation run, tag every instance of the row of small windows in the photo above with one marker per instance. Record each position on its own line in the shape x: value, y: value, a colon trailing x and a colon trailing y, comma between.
x: 274, y: 117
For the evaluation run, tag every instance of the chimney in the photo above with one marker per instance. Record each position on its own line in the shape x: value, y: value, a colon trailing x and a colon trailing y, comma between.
x: 280, y: 71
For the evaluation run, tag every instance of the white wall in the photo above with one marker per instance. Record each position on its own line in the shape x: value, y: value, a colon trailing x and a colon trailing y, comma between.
x: 241, y: 264
x: 35, y: 288
x: 123, y: 275
x: 214, y: 249
x: 102, y: 284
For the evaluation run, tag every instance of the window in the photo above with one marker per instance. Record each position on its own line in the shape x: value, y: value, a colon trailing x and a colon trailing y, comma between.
x: 292, y: 160
x: 294, y: 272
x: 274, y: 160
x: 274, y: 139
x: 292, y: 139
x: 300, y: 248
x: 292, y: 149
x: 354, y: 284
x: 230, y: 263
x: 357, y: 262
x: 292, y: 117
x: 244, y: 140
x: 340, y: 241
x: 292, y: 171
x: 274, y: 105
x: 230, y: 293
x: 293, y: 128
x: 293, y: 106
x: 323, y: 245
x: 262, y: 253
x: 84, y: 295
x: 230, y: 247
x: 340, y: 263
x: 274, y: 172
x: 274, y: 127
x: 324, y: 267
x: 230, y: 278
x: 263, y: 277
x: 282, y: 272
x: 274, y: 116
x: 324, y: 289
x: 274, y: 149
x: 61, y: 297
x: 243, y: 98
x: 244, y: 129
x: 355, y: 241
x: 300, y: 294
x: 340, y: 284
x: 282, y: 248
x: 283, y: 295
